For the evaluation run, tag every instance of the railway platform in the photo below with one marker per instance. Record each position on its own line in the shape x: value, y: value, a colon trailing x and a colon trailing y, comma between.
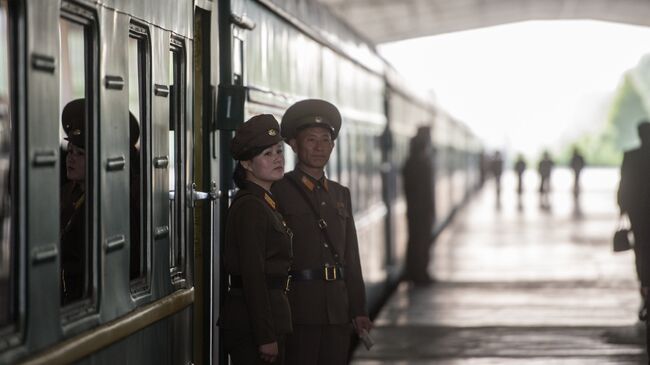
x: 520, y: 283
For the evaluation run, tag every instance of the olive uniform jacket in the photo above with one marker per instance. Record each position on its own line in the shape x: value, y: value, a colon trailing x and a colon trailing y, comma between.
x: 634, y: 190
x: 257, y: 247
x: 319, y: 301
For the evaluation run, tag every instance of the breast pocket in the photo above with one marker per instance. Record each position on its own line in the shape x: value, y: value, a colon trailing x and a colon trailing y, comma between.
x: 299, y: 219
x: 342, y: 210
x: 343, y: 215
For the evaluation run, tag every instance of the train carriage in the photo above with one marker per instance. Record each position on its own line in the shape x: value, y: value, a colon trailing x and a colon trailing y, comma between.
x: 187, y: 73
x: 278, y: 63
x: 135, y: 268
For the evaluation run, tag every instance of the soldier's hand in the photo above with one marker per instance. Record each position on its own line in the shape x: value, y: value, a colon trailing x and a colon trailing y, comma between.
x: 361, y: 323
x: 269, y: 351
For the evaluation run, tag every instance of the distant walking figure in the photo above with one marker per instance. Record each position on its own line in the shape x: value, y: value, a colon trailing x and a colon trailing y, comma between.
x: 545, y: 167
x: 497, y: 170
x: 520, y: 167
x: 420, y: 208
x: 577, y: 164
x: 483, y: 167
x: 634, y: 199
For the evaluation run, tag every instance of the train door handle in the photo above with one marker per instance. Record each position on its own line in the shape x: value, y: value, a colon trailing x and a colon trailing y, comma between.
x: 211, y: 195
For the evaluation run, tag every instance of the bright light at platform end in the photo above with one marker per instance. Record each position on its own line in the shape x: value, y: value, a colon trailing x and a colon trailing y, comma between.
x: 528, y: 86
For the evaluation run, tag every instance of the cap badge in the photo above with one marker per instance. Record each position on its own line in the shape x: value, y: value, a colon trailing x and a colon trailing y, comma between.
x: 272, y: 132
x: 318, y: 119
x: 76, y: 132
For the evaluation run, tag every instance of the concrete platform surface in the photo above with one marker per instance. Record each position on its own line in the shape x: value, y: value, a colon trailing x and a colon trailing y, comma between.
x: 521, y: 283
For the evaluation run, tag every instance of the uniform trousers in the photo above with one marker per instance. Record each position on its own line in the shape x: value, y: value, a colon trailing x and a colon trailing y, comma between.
x: 419, y: 248
x: 242, y: 349
x: 318, y: 344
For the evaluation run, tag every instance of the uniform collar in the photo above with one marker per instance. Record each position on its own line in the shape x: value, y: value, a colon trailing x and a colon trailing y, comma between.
x: 261, y: 193
x: 309, y: 182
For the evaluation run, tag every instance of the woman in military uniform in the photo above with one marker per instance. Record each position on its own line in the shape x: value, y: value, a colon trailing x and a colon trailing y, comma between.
x: 73, y: 197
x: 72, y: 209
x: 257, y: 256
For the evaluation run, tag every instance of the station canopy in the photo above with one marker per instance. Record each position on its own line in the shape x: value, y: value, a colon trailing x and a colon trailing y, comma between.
x: 383, y: 21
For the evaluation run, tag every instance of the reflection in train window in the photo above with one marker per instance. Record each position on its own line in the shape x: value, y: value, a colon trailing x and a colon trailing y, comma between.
x: 7, y: 289
x: 76, y: 247
x: 138, y: 75
x: 176, y: 166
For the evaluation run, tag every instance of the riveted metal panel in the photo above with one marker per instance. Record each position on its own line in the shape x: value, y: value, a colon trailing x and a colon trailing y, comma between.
x: 114, y: 146
x: 172, y: 15
x: 181, y: 330
x: 168, y: 341
x: 42, y: 132
x: 165, y: 342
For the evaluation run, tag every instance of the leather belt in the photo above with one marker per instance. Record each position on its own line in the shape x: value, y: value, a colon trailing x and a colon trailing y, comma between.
x: 280, y: 282
x: 327, y: 273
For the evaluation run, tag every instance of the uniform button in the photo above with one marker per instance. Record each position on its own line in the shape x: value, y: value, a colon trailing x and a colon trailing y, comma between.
x: 325, y: 244
x: 322, y: 203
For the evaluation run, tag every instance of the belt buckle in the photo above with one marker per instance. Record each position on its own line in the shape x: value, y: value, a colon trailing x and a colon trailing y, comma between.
x: 287, y: 284
x: 329, y: 277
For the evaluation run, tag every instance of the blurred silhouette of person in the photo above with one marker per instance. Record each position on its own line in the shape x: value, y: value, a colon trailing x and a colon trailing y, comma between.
x: 483, y: 167
x: 497, y: 169
x: 520, y: 167
x: 545, y: 168
x: 577, y: 163
x: 418, y: 178
x: 634, y: 200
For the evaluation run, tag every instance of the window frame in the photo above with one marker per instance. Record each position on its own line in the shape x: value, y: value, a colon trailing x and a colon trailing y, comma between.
x: 11, y: 325
x: 89, y: 303
x: 177, y: 244
x: 141, y: 286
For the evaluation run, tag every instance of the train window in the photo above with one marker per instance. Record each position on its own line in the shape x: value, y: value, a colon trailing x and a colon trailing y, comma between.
x: 176, y: 117
x: 75, y: 129
x: 346, y: 161
x: 7, y: 250
x: 237, y: 61
x: 139, y: 70
x: 359, y: 167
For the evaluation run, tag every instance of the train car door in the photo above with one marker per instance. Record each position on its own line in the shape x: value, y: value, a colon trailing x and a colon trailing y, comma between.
x: 205, y: 191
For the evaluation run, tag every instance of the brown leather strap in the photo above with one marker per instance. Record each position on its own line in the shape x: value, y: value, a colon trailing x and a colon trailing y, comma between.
x: 322, y: 224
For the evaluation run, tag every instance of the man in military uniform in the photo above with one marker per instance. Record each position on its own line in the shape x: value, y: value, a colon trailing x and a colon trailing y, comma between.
x: 634, y: 200
x: 545, y: 167
x: 520, y: 168
x: 577, y: 163
x: 327, y: 294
